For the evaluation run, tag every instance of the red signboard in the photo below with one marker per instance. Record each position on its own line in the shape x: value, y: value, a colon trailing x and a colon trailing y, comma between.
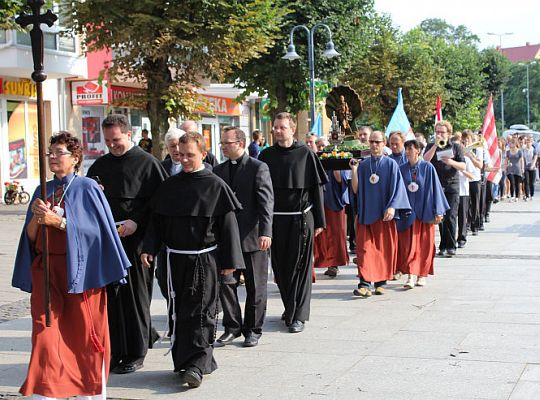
x: 219, y: 106
x: 87, y: 93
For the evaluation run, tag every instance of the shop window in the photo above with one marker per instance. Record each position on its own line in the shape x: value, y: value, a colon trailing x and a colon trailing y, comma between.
x: 22, y: 140
x: 23, y: 38
x: 3, y: 38
x: 66, y: 43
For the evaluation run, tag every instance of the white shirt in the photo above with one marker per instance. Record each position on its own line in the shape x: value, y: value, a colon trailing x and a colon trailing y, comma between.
x: 463, y: 180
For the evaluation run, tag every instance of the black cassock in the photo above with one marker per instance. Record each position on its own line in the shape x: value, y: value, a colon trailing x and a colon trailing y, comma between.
x: 298, y: 179
x: 129, y: 182
x: 193, y: 212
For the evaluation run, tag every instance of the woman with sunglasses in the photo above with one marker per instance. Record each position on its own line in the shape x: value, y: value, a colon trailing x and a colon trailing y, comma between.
x: 71, y: 356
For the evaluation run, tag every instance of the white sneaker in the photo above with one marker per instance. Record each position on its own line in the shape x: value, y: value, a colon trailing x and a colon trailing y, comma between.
x: 422, y: 281
x: 410, y: 282
x: 397, y: 276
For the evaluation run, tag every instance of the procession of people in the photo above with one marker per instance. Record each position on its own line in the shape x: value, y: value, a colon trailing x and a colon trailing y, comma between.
x: 209, y: 226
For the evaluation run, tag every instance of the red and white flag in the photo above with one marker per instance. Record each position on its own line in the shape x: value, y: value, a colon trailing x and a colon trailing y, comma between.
x: 438, y: 110
x: 489, y: 131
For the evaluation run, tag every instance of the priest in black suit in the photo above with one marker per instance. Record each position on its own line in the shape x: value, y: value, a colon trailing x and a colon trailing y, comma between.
x: 250, y: 181
x: 129, y: 177
x: 298, y: 179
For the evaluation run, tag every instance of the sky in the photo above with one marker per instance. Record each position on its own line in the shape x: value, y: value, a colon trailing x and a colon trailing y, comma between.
x: 518, y: 17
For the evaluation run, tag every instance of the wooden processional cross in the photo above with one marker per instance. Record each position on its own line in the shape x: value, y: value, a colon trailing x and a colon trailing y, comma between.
x: 36, y: 35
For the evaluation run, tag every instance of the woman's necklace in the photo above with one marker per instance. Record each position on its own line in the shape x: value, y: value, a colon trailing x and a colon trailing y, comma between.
x: 57, y: 209
x: 413, y: 186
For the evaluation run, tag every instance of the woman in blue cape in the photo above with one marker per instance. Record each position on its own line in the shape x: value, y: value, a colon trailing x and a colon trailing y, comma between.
x: 71, y: 357
x: 416, y: 233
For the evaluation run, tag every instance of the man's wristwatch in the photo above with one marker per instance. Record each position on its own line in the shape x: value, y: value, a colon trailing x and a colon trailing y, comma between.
x: 63, y: 224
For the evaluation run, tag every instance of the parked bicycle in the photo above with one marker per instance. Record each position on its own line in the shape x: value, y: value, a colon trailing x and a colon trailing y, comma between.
x: 15, y: 193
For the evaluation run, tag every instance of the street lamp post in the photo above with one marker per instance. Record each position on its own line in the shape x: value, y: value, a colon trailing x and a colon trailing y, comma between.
x: 500, y: 35
x: 293, y: 55
x: 526, y: 90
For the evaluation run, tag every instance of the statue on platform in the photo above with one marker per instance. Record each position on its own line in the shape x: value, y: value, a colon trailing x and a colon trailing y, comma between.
x: 346, y: 105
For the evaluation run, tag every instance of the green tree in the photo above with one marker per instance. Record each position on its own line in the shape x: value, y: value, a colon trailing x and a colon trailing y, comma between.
x: 394, y: 60
x: 9, y: 9
x: 286, y: 82
x: 515, y: 95
x: 174, y: 46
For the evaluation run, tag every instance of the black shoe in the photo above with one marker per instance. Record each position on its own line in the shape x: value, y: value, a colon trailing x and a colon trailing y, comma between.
x: 461, y: 244
x: 482, y: 228
x: 332, y: 272
x: 129, y: 367
x: 296, y: 327
x: 225, y: 339
x: 450, y: 253
x: 474, y: 233
x: 441, y: 253
x: 115, y: 362
x: 486, y: 219
x: 192, y: 377
x: 251, y: 341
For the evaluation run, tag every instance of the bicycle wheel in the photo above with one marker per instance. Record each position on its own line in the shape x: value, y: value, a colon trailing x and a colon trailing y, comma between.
x: 9, y: 197
x: 24, y: 197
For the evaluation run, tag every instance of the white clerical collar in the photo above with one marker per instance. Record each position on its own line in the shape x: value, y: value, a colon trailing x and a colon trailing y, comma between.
x: 200, y: 168
x: 237, y: 160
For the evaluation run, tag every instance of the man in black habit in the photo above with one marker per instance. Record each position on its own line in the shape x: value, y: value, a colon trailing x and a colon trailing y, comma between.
x: 249, y: 178
x: 298, y: 179
x: 129, y: 177
x: 193, y: 215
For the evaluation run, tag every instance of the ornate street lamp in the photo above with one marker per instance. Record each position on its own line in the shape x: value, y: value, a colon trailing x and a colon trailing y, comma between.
x: 330, y: 52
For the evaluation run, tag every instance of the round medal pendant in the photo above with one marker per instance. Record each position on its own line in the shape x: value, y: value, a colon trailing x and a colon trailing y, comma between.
x: 413, y: 187
x: 373, y: 179
x: 58, y: 211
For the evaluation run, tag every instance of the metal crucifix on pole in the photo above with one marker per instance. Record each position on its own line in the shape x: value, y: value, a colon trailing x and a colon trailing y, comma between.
x: 36, y: 35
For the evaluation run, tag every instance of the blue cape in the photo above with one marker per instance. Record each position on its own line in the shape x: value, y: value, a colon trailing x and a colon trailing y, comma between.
x: 336, y: 194
x: 429, y: 200
x: 400, y: 158
x: 389, y: 192
x: 95, y: 256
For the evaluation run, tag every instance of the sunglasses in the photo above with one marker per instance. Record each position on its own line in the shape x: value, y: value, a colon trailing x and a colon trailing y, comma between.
x: 376, y: 141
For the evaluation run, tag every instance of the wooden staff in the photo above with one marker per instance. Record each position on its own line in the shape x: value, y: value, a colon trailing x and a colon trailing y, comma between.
x: 36, y: 35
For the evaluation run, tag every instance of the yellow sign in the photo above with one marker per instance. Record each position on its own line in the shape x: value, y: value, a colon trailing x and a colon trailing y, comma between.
x: 23, y: 87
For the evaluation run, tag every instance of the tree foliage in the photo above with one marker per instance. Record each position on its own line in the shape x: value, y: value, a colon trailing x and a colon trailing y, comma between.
x: 174, y: 46
x: 286, y: 82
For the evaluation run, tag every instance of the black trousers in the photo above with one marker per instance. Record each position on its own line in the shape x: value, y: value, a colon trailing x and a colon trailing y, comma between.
x: 256, y: 277
x: 351, y: 233
x: 529, y: 175
x: 515, y: 183
x: 463, y: 214
x: 483, y: 196
x: 489, y: 200
x: 474, y: 205
x: 448, y: 226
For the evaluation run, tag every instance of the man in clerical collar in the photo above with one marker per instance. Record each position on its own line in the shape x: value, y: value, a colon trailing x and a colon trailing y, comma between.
x: 129, y: 177
x: 298, y: 179
x: 381, y: 196
x: 250, y: 180
x: 396, y: 141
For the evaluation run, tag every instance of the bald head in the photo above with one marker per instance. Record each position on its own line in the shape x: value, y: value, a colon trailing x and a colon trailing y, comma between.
x: 189, y: 126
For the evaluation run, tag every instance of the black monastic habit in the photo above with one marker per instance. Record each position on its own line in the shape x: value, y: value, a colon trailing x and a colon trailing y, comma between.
x: 195, y: 211
x: 298, y: 179
x: 129, y: 182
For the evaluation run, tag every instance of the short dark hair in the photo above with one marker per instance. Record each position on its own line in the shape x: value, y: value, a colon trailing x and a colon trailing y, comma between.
x: 194, y: 137
x: 118, y: 120
x: 239, y: 134
x: 412, y: 143
x: 72, y: 143
x: 256, y: 134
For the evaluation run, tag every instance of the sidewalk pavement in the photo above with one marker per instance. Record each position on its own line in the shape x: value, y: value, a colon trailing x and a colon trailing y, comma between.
x: 472, y: 333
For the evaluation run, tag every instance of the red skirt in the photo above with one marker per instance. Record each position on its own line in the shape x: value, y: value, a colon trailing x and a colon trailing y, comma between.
x: 416, y: 249
x: 64, y: 362
x: 330, y: 248
x: 376, y: 250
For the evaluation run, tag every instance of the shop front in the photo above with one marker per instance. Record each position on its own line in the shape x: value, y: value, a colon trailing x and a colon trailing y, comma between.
x: 18, y: 132
x: 92, y: 101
